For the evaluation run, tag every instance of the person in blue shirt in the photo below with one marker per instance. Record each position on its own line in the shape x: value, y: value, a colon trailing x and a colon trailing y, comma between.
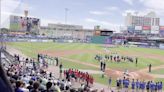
x: 160, y: 86
x: 140, y: 85
x: 18, y: 85
x: 152, y: 87
x: 143, y: 86
x: 137, y: 85
x: 126, y: 85
x: 133, y: 85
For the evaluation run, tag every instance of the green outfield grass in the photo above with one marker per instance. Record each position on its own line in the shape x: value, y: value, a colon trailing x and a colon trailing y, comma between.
x: 31, y: 49
x: 158, y: 71
x: 142, y: 63
x: 69, y: 64
x: 98, y: 78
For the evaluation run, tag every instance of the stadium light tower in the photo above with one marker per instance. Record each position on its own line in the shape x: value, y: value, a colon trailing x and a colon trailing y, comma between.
x: 66, y: 14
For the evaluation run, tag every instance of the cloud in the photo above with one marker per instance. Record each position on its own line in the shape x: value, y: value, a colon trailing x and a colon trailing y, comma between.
x: 12, y: 7
x: 98, y: 12
x: 153, y: 4
x: 104, y: 24
x: 112, y: 8
x: 135, y: 12
x: 130, y: 2
x: 105, y: 11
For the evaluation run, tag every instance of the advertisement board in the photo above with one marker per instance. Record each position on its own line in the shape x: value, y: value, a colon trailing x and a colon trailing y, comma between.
x: 146, y: 31
x: 161, y: 28
x: 154, y: 32
x: 155, y: 28
x: 131, y: 29
x: 161, y: 32
x: 161, y: 46
x: 146, y: 27
x: 138, y: 27
x: 26, y: 24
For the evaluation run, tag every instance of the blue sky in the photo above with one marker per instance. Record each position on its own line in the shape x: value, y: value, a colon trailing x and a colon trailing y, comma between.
x: 108, y: 14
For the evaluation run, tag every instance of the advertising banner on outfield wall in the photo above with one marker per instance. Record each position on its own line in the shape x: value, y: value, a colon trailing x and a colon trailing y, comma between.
x: 161, y: 46
x: 161, y: 32
x: 154, y: 32
x: 131, y: 29
x: 148, y: 28
x: 161, y: 28
x: 146, y: 32
x: 155, y: 28
x: 138, y: 27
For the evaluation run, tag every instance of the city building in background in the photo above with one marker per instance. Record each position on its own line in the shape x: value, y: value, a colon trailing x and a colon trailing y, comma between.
x: 148, y: 24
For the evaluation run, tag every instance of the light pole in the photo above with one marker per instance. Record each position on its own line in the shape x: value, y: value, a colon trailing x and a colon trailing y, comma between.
x: 66, y: 11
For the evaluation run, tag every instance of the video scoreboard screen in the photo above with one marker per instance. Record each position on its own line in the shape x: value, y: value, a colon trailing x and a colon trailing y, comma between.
x: 106, y: 33
x: 26, y: 24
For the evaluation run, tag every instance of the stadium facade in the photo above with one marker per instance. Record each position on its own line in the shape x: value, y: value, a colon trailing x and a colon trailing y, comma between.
x: 66, y: 31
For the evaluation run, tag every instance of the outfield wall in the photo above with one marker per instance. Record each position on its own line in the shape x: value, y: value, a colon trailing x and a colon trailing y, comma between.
x: 101, y: 40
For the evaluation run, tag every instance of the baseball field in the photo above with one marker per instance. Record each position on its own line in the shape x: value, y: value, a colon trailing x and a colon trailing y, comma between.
x: 81, y: 56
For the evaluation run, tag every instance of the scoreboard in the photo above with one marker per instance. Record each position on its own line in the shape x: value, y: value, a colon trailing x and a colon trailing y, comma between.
x: 103, y: 33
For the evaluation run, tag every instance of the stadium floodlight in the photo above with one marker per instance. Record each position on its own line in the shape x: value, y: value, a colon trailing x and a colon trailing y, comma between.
x: 66, y: 14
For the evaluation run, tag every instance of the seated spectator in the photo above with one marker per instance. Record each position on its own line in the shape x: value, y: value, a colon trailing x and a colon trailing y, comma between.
x: 30, y: 87
x: 35, y: 87
x: 18, y: 86
x: 41, y: 87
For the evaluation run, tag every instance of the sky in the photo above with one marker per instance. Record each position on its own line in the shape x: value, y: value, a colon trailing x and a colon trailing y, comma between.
x: 109, y: 14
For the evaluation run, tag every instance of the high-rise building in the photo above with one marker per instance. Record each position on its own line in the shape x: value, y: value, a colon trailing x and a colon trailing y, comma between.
x: 148, y: 20
x: 142, y: 24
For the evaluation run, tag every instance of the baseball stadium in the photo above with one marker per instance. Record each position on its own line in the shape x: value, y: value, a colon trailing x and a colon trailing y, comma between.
x: 66, y: 57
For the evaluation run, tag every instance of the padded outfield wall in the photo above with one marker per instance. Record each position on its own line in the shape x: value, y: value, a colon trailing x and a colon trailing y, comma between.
x: 101, y: 40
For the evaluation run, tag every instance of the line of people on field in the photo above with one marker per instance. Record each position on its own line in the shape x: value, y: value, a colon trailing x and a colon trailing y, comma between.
x: 74, y: 74
x: 48, y: 60
x: 138, y: 86
x: 114, y: 57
